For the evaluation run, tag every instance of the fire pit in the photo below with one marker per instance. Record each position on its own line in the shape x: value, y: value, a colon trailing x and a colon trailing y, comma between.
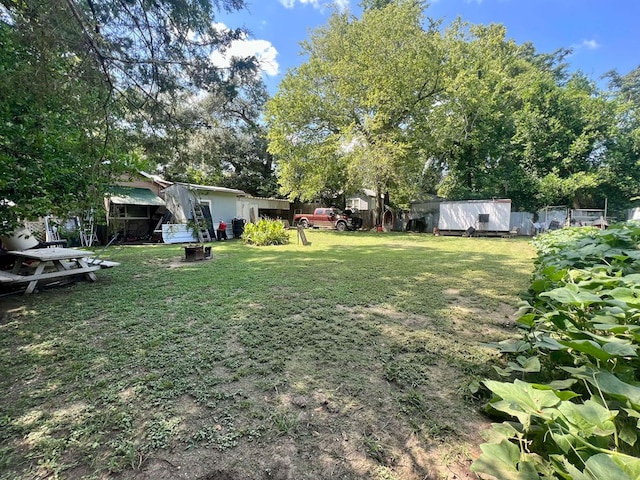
x: 195, y: 252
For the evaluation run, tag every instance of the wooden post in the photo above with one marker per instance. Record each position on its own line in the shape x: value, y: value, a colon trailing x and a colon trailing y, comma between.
x: 302, y: 236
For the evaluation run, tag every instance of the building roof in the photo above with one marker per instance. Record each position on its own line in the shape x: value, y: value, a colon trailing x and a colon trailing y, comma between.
x: 134, y: 196
x: 156, y: 179
x: 208, y: 188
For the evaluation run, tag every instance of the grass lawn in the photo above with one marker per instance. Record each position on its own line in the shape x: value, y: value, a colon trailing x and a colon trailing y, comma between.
x: 350, y: 358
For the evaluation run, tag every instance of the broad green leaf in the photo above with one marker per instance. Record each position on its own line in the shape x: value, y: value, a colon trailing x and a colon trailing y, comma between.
x: 590, y: 418
x: 573, y: 472
x: 634, y: 254
x: 565, y: 441
x: 629, y: 434
x: 523, y: 396
x: 630, y: 465
x: 554, y: 274
x: 595, y: 249
x: 513, y: 410
x: 523, y: 309
x: 502, y: 461
x: 631, y: 279
x: 559, y: 387
x: 527, y: 319
x: 509, y: 346
x: 571, y: 295
x: 615, y: 327
x: 549, y: 343
x: 620, y: 349
x: 602, y: 467
x: 609, y: 384
x: 626, y: 295
x: 503, y: 372
x: 613, y: 345
x: 501, y: 431
x: 563, y: 384
x: 527, y: 365
x: 589, y: 347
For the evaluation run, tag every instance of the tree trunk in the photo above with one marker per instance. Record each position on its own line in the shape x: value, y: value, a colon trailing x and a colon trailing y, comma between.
x: 379, y: 205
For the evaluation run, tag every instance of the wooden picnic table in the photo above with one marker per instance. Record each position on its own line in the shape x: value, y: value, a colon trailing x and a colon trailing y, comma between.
x: 52, y: 263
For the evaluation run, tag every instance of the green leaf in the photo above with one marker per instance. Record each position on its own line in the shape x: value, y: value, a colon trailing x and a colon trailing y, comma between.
x: 501, y: 431
x: 527, y: 319
x: 602, y: 467
x: 590, y: 418
x: 503, y: 372
x: 502, y: 461
x: 549, y: 343
x: 509, y: 346
x: 527, y: 365
x: 620, y: 349
x: 559, y: 387
x: 565, y: 441
x: 631, y: 279
x: 608, y: 383
x: 626, y: 295
x: 589, y: 347
x: 628, y: 434
x: 630, y: 465
x: 571, y: 295
x: 521, y: 396
x: 615, y: 327
x: 563, y: 384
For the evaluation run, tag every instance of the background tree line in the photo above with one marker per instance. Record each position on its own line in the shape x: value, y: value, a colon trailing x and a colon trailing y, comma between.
x: 92, y: 89
x: 399, y: 103
x: 392, y: 101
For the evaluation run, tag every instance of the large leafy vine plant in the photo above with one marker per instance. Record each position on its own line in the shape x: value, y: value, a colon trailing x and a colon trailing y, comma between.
x: 574, y: 411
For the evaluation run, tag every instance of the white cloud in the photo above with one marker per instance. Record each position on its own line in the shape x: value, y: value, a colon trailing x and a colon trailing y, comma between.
x: 585, y: 45
x: 263, y: 50
x: 319, y: 4
x: 590, y: 44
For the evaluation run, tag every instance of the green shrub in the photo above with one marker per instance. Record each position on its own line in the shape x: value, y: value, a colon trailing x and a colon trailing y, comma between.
x: 578, y: 415
x: 265, y: 232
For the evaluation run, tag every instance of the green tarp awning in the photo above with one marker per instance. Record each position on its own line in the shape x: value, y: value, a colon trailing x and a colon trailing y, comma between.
x: 134, y: 196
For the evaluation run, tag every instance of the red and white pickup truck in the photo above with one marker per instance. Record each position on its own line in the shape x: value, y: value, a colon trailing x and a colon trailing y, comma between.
x: 328, y: 218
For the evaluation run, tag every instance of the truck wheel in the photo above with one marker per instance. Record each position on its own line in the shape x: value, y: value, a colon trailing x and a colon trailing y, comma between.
x: 303, y: 223
x: 341, y: 226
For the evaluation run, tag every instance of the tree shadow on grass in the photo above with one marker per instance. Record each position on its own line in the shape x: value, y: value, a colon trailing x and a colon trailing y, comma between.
x: 334, y: 361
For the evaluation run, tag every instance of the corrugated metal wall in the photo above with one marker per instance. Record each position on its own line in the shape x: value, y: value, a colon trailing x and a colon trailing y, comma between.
x: 523, y: 221
x: 428, y: 213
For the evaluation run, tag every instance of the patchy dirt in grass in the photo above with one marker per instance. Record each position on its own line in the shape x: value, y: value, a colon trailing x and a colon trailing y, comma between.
x: 178, y: 262
x: 370, y: 393
x: 402, y: 416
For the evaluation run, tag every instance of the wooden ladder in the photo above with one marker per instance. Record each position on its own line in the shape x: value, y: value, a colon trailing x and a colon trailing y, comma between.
x: 201, y: 222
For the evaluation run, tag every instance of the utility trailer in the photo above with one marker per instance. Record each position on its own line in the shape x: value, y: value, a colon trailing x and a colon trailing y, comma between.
x: 475, y: 217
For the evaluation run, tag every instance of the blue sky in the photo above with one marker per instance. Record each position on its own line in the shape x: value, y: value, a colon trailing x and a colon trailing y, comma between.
x: 603, y: 34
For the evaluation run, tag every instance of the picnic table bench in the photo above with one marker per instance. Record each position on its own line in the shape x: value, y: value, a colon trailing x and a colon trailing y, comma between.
x: 52, y: 263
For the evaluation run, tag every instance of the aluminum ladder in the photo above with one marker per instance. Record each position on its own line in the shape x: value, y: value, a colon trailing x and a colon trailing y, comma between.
x: 201, y: 223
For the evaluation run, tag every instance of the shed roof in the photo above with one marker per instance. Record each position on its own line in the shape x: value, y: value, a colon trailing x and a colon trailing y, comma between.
x: 134, y: 196
x: 209, y: 188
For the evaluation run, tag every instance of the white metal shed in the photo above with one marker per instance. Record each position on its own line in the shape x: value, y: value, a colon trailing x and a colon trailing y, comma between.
x: 485, y: 216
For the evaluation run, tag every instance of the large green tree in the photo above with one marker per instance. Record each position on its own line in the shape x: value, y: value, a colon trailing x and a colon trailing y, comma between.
x: 514, y: 123
x: 560, y: 138
x: 227, y: 146
x: 623, y: 149
x: 85, y: 82
x: 472, y: 123
x: 345, y: 119
x: 385, y: 103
